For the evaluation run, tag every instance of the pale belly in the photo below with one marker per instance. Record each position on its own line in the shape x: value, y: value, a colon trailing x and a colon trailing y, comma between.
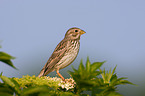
x: 68, y: 58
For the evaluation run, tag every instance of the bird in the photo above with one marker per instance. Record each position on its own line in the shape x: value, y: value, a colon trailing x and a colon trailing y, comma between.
x: 64, y: 54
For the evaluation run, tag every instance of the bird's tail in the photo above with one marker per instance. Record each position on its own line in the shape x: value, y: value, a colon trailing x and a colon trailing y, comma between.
x: 41, y: 73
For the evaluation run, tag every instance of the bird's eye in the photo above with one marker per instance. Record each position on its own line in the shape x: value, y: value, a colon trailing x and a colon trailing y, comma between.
x: 76, y: 30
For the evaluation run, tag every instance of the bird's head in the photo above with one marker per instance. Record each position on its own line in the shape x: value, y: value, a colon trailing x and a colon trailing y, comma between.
x: 74, y: 33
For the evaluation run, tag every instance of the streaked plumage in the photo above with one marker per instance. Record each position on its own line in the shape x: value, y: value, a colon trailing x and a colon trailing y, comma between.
x: 65, y: 52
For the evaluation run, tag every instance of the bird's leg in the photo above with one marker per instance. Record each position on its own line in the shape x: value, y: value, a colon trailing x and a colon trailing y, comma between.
x: 57, y: 71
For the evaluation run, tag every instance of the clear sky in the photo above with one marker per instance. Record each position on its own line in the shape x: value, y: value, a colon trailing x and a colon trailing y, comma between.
x: 115, y: 32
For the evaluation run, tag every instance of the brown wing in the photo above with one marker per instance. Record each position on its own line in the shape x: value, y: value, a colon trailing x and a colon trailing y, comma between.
x: 56, y: 56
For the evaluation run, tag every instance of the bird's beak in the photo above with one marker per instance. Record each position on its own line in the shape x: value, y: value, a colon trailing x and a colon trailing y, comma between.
x: 82, y: 32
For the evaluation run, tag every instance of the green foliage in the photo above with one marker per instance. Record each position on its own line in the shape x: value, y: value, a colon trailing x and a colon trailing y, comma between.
x: 32, y: 86
x: 6, y: 58
x: 9, y: 87
x: 111, y: 78
x: 89, y: 79
x: 32, y: 81
x: 86, y: 78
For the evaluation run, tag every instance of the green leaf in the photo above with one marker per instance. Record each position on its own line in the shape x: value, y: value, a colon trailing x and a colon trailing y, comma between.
x: 11, y: 83
x: 114, y: 94
x: 109, y: 77
x: 6, y: 58
x: 96, y: 65
x: 81, y: 68
x: 74, y: 69
x: 7, y: 81
x: 88, y: 65
x: 17, y: 86
x: 9, y: 62
x: 124, y: 82
x: 114, y: 70
x: 113, y: 79
x: 1, y: 73
x: 35, y: 90
x: 104, y: 76
x: 5, y: 94
x: 5, y: 89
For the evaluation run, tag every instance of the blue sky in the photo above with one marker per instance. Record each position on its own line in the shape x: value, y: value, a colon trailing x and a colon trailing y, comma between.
x: 115, y: 32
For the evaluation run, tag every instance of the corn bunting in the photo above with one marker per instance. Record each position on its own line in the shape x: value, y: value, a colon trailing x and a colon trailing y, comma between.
x: 64, y: 54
